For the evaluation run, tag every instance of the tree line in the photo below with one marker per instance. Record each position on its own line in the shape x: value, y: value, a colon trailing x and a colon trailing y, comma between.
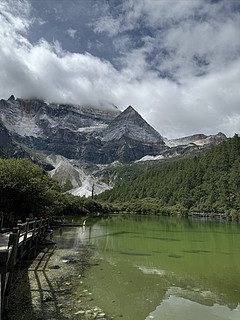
x: 206, y: 182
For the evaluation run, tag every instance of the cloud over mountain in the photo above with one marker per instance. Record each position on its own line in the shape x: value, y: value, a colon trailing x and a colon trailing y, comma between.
x: 177, y: 64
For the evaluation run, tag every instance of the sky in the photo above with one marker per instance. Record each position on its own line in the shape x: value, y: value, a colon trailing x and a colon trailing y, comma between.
x: 177, y: 62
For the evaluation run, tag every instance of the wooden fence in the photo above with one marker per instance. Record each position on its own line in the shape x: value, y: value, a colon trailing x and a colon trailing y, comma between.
x: 14, y: 246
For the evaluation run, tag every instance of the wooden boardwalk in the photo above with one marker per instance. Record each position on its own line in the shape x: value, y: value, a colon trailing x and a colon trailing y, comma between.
x: 14, y: 246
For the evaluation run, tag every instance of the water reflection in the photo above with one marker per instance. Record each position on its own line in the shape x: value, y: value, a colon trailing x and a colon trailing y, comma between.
x: 179, y: 308
x: 164, y: 268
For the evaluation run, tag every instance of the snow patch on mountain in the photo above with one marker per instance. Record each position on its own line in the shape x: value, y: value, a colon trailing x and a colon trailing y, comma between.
x: 92, y: 128
x: 184, y: 142
x: 17, y: 121
x: 51, y: 121
x: 68, y: 173
x: 25, y: 127
x: 197, y: 139
x: 150, y: 158
x: 89, y: 186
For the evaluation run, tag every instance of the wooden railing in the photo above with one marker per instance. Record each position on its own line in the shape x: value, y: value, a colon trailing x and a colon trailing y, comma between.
x: 25, y: 237
x: 31, y: 228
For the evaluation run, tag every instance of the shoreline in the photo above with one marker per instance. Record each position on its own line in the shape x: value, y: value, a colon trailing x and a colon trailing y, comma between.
x: 51, y: 287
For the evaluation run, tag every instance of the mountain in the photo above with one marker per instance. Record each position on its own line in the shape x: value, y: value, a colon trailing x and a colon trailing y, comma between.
x: 82, y: 133
x: 131, y: 125
x: 197, y: 139
x: 71, y: 131
x: 8, y: 147
x: 129, y: 137
x: 192, y: 144
x: 75, y: 143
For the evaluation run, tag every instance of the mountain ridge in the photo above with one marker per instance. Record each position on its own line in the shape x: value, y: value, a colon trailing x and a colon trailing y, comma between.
x: 87, y: 138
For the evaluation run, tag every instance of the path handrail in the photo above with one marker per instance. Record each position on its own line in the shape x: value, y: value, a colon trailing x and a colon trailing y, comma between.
x: 31, y: 228
x: 20, y: 241
x: 5, y: 258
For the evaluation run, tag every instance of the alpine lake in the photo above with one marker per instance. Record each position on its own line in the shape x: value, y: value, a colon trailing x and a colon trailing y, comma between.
x: 163, y: 268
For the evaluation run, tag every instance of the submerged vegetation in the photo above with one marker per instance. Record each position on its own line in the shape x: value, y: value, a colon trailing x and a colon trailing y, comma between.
x: 208, y: 182
x: 27, y: 188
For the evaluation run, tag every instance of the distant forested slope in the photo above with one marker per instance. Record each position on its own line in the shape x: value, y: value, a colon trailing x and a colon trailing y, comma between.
x: 208, y: 182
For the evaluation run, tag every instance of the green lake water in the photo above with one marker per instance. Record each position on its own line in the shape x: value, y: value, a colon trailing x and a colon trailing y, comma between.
x: 163, y: 268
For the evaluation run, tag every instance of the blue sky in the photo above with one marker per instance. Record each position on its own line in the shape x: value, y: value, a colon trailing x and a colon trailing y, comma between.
x: 176, y: 62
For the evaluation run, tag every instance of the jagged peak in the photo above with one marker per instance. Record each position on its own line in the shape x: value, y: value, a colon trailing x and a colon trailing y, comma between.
x: 220, y: 134
x: 130, y: 114
x: 11, y: 98
x: 130, y: 110
x: 130, y: 124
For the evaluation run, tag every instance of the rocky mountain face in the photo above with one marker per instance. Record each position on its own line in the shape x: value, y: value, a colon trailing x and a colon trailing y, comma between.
x: 85, y: 134
x: 8, y: 146
x: 192, y: 144
x: 72, y: 141
x: 129, y: 137
x: 197, y: 139
x: 67, y: 130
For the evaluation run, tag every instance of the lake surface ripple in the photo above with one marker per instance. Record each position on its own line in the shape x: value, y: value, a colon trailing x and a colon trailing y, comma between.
x: 164, y: 268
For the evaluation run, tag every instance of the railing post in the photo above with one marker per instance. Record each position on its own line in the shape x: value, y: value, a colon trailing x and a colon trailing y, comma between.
x: 26, y: 229
x: 13, y: 242
x: 21, y: 233
x: 37, y: 225
x: 19, y: 226
x: 40, y: 226
x: 4, y: 257
x: 34, y: 225
x: 19, y: 223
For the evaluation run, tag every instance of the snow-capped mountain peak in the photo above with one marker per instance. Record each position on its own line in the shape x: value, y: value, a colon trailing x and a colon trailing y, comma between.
x: 130, y: 124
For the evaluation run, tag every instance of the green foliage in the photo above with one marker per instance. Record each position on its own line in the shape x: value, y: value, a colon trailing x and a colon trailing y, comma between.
x: 208, y: 182
x: 25, y: 187
x: 67, y: 186
x: 73, y: 205
x: 123, y: 172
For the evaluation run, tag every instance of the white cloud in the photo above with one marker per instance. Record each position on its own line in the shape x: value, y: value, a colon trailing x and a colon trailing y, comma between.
x: 71, y: 32
x: 46, y: 71
x: 202, y: 55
